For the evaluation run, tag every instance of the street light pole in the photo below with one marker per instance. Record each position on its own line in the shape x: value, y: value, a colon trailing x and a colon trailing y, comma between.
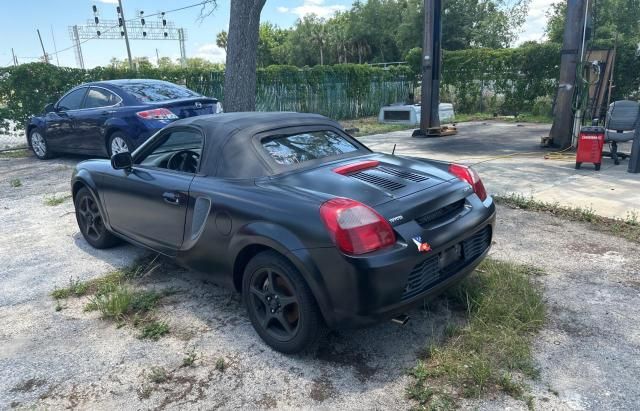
x: 126, y: 35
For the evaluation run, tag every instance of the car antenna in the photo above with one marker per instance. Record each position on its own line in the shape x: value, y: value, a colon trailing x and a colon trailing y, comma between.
x: 393, y: 152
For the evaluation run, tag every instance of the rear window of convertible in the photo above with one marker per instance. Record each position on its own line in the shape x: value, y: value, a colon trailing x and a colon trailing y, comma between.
x: 298, y: 148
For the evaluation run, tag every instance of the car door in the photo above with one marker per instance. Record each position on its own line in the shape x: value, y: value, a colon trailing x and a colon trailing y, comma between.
x: 99, y: 105
x: 148, y: 204
x: 61, y: 129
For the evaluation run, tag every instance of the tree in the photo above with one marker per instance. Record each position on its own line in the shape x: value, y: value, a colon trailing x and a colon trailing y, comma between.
x: 221, y: 40
x: 608, y: 17
x: 242, y: 51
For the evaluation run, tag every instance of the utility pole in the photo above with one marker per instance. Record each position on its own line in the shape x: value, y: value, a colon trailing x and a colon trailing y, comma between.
x: 183, y: 52
x: 78, y: 47
x: 46, y: 58
x: 15, y: 59
x: 55, y: 48
x: 126, y: 35
x: 560, y: 135
x: 157, y: 57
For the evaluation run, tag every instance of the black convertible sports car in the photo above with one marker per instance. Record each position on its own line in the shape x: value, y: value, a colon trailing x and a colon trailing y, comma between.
x: 311, y: 226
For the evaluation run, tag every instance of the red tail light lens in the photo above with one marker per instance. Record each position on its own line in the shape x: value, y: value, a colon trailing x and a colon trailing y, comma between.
x: 469, y: 175
x: 157, y: 114
x: 354, y: 227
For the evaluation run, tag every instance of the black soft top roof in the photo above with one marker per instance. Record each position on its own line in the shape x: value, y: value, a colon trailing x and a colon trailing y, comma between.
x: 229, y: 150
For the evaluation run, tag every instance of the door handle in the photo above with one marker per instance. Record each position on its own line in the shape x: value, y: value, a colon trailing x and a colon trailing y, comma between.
x: 172, y: 198
x: 108, y: 112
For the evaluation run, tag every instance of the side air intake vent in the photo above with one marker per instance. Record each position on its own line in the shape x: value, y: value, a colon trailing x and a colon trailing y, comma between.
x: 200, y: 213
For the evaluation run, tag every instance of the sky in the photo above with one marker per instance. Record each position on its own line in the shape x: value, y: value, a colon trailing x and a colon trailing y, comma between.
x: 54, y: 17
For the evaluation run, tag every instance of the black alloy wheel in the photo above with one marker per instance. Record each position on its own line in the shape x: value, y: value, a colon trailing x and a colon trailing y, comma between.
x: 90, y: 221
x: 280, y: 304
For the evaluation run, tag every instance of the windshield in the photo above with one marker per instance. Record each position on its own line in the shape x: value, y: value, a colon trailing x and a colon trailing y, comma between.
x: 157, y: 91
x: 298, y: 148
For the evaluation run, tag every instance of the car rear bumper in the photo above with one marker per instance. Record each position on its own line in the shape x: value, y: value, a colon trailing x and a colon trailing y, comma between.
x: 359, y: 291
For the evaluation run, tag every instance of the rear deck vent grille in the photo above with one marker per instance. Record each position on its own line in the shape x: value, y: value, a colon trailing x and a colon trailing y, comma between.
x: 443, y: 213
x: 403, y: 174
x: 375, y: 180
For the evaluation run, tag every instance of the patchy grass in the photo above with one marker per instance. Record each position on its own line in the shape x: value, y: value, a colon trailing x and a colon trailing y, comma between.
x: 369, y: 125
x: 22, y: 153
x: 158, y: 375
x: 520, y: 118
x: 628, y: 228
x: 56, y: 200
x: 504, y: 309
x: 221, y: 364
x: 76, y: 288
x: 15, y: 183
x: 116, y: 298
x: 154, y: 329
x: 189, y: 359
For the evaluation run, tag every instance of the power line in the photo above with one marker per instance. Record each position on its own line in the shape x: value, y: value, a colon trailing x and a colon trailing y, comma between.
x: 116, y: 26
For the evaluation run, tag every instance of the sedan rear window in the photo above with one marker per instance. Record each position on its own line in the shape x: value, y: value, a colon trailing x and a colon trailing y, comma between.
x: 298, y: 148
x: 157, y: 91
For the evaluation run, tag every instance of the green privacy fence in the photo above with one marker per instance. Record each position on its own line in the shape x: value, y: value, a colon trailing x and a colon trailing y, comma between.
x: 336, y: 92
x: 339, y: 92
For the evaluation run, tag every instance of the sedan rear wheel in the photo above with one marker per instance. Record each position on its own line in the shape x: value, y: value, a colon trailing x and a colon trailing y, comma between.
x: 280, y: 304
x: 90, y: 221
x: 39, y: 145
x: 118, y: 143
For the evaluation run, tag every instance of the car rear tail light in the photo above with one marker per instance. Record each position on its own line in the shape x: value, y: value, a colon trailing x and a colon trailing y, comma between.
x: 353, y: 167
x: 157, y: 114
x: 356, y: 228
x: 469, y: 175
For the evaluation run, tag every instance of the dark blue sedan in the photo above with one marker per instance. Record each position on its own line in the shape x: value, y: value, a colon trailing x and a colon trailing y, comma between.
x: 108, y: 117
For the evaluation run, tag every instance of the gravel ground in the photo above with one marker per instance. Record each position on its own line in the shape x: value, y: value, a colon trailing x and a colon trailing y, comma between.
x: 588, y: 351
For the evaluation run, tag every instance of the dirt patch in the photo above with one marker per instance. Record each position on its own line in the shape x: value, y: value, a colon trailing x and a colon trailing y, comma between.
x: 587, y: 353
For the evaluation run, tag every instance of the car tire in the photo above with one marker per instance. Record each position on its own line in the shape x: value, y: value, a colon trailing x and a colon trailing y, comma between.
x: 118, y: 143
x: 275, y: 294
x: 91, y: 222
x: 39, y: 145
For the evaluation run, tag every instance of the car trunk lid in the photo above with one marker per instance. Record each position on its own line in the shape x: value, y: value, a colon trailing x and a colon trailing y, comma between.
x: 189, y: 107
x: 372, y: 180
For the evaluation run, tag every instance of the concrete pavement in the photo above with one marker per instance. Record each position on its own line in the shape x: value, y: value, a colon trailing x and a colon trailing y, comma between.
x: 509, y: 159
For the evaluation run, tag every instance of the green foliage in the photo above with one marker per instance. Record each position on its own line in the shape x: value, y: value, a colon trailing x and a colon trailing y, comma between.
x: 342, y: 91
x: 505, y: 308
x: 153, y: 330
x: 628, y: 228
x: 15, y: 183
x: 56, y: 200
x: 511, y: 80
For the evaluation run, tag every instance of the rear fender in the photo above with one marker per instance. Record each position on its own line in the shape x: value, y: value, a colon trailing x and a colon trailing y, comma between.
x: 289, y: 245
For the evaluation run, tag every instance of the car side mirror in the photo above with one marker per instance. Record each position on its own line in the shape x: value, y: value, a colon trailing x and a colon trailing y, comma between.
x: 122, y: 161
x: 49, y: 108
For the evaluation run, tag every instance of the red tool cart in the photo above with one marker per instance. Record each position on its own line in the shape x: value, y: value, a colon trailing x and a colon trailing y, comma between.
x: 590, y: 142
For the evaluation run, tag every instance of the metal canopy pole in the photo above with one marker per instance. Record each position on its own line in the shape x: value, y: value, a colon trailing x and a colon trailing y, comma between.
x: 431, y: 68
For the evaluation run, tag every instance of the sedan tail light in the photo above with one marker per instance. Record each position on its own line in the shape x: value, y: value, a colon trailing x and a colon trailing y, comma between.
x: 354, y: 227
x: 157, y: 114
x: 469, y: 175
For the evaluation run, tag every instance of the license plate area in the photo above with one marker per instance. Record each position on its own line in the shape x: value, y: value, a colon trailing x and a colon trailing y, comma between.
x: 450, y: 256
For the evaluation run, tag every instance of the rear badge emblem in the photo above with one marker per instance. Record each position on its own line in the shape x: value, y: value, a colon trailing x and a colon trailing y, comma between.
x: 422, y: 247
x: 396, y: 219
